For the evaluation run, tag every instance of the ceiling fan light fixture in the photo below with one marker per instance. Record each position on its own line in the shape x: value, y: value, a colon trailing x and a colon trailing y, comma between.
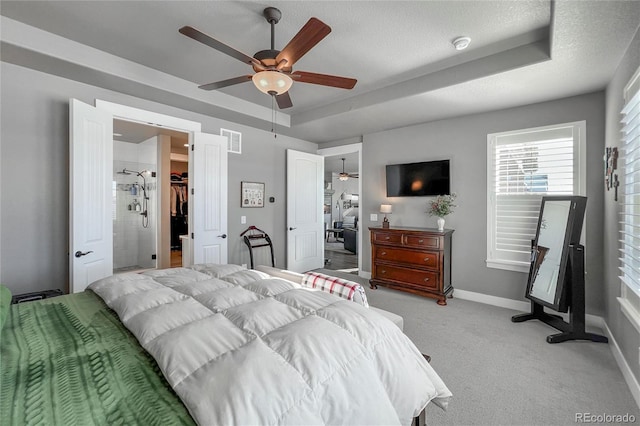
x: 272, y: 82
x: 343, y: 176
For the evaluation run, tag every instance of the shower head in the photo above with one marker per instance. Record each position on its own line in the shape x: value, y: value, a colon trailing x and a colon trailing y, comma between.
x: 140, y: 173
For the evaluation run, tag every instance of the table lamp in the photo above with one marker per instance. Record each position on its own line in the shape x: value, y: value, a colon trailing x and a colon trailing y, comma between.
x: 386, y: 209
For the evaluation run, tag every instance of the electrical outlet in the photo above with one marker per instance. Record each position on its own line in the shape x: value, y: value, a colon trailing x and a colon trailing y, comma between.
x: 243, y: 220
x: 373, y: 217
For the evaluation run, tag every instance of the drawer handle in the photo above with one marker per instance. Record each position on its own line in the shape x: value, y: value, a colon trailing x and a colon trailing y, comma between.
x: 383, y: 253
x: 421, y: 241
x: 426, y: 279
x: 383, y: 272
x: 387, y: 238
x: 426, y: 259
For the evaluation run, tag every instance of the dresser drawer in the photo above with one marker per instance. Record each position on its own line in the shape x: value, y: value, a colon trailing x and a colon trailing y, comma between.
x: 390, y: 254
x: 421, y: 241
x: 415, y: 277
x: 387, y: 238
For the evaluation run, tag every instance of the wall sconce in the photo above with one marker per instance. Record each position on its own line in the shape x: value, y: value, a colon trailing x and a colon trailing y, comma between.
x: 385, y: 209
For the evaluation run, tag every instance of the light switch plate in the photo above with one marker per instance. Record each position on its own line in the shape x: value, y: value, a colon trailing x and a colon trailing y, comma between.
x: 373, y: 217
x: 243, y: 220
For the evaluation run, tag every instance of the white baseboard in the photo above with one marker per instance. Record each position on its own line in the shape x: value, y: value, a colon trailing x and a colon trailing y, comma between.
x: 365, y: 274
x: 628, y: 375
x: 518, y: 305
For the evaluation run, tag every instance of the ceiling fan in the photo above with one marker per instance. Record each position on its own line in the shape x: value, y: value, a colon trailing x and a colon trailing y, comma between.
x: 346, y: 176
x: 273, y: 68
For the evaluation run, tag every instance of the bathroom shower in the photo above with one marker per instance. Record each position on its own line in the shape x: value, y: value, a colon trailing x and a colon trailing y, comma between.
x: 145, y: 198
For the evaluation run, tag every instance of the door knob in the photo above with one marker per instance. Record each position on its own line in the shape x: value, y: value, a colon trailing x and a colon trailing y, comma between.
x: 80, y: 253
x: 292, y: 228
x: 223, y: 236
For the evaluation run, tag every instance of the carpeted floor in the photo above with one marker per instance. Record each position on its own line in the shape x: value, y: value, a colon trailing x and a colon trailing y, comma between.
x: 503, y: 373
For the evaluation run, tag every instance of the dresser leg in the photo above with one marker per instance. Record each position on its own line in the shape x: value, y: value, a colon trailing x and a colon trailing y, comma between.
x: 442, y: 302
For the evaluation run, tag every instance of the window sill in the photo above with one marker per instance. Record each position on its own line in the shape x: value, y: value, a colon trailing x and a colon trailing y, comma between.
x: 509, y: 265
x: 629, y: 304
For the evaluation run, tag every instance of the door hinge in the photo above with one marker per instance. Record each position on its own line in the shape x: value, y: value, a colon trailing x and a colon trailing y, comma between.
x: 192, y: 235
x: 191, y: 191
x: 192, y: 145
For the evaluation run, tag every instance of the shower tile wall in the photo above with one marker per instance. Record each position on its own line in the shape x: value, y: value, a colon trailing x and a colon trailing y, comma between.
x: 133, y: 244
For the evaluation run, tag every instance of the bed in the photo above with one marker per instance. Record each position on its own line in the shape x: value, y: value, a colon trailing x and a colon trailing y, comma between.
x: 210, y: 344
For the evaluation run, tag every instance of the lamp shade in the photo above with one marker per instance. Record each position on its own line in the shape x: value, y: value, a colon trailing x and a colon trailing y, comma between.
x: 385, y: 208
x: 272, y: 82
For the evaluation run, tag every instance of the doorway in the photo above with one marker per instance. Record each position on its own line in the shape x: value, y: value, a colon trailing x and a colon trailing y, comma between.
x: 91, y: 189
x: 149, y: 161
x: 342, y: 195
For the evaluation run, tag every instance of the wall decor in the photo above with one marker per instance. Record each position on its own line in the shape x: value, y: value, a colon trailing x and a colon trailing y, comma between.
x: 251, y: 194
x: 610, y: 166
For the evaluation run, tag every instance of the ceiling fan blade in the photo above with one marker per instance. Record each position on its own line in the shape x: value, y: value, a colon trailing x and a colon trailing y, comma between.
x: 225, y: 83
x: 218, y: 45
x: 308, y: 36
x: 284, y: 101
x: 324, y: 79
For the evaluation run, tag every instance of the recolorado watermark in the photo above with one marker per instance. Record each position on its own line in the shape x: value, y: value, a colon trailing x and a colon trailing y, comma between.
x: 604, y: 418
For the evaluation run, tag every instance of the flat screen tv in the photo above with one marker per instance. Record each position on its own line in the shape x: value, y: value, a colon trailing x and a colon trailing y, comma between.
x: 418, y: 179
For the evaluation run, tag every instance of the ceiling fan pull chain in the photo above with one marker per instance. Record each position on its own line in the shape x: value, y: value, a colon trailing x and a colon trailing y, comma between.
x: 273, y: 116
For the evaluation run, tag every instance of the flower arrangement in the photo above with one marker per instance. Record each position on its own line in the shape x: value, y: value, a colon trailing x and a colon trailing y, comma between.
x: 442, y: 205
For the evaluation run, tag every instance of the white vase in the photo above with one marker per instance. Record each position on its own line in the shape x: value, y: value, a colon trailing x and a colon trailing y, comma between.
x: 441, y: 224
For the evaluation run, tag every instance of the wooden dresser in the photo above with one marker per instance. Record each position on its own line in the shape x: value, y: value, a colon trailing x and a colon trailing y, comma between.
x: 415, y: 260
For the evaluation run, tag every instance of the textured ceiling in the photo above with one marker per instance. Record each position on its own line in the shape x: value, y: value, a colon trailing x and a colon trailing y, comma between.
x: 408, y: 72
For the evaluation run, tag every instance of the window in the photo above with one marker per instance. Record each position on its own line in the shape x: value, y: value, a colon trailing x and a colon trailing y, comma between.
x: 522, y: 166
x: 630, y: 206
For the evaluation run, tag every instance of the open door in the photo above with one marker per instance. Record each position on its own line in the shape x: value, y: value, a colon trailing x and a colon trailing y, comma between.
x: 208, y: 195
x: 90, y: 195
x: 305, y: 219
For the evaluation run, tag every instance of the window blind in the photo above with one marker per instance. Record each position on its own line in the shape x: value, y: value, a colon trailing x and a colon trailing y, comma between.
x: 630, y: 224
x: 523, y: 167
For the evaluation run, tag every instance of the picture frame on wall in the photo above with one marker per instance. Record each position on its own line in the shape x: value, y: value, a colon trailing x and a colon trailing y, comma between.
x: 251, y: 194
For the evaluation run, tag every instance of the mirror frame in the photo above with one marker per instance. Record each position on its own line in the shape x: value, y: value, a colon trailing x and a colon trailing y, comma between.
x: 572, y: 235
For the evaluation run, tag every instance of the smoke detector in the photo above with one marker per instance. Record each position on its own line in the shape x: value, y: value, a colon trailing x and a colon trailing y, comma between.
x: 461, y: 43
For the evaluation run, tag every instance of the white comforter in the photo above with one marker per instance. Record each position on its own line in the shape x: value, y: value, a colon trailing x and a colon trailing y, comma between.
x: 240, y: 347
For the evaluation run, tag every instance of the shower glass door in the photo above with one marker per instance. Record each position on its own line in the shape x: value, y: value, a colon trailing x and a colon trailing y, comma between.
x: 134, y: 206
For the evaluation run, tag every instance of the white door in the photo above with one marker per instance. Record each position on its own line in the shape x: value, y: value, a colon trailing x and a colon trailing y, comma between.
x: 305, y: 219
x: 90, y: 195
x: 208, y: 195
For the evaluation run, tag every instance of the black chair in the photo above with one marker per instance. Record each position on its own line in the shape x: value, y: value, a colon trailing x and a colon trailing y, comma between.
x: 351, y: 240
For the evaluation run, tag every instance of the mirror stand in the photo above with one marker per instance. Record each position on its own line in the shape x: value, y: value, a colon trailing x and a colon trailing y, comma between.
x: 575, y: 328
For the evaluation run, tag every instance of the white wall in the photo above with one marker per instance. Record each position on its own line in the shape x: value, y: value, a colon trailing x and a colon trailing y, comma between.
x: 625, y: 334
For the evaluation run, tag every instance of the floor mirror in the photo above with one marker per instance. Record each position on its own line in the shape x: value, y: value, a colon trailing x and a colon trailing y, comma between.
x: 556, y: 273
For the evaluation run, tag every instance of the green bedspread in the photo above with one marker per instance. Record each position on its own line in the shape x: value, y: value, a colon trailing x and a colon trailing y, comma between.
x: 69, y: 361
